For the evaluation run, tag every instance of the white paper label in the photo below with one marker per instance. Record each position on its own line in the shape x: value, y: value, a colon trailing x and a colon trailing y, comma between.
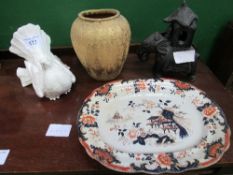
x: 3, y: 155
x: 32, y: 41
x: 184, y: 56
x: 58, y: 130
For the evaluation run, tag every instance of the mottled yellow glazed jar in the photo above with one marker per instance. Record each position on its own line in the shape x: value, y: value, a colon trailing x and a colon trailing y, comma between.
x: 101, y: 40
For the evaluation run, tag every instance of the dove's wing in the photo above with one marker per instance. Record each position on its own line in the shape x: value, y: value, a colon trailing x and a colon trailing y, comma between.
x: 24, y: 76
x: 37, y: 76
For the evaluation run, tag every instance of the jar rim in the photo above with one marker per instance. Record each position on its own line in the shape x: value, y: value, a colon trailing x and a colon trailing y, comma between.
x: 99, y: 14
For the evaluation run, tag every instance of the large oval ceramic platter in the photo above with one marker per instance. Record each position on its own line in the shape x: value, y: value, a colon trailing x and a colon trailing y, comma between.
x: 152, y: 126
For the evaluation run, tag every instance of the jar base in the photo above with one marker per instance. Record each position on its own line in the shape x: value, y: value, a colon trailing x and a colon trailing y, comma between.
x: 103, y: 75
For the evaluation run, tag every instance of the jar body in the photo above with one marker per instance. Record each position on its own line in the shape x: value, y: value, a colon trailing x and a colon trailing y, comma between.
x: 101, y: 44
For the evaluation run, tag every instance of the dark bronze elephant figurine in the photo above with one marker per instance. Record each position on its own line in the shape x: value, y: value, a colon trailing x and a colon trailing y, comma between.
x: 164, y: 61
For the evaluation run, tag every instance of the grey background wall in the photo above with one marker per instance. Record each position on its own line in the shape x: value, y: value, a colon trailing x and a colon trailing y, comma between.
x: 144, y: 16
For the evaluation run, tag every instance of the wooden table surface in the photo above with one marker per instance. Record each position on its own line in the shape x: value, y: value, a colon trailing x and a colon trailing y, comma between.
x: 24, y: 118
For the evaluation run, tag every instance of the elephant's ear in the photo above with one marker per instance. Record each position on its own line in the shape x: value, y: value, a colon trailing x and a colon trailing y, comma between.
x: 163, y: 46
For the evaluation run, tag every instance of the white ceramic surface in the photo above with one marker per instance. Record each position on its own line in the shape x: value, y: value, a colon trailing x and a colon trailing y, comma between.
x: 152, y: 126
x: 145, y: 107
x: 44, y: 70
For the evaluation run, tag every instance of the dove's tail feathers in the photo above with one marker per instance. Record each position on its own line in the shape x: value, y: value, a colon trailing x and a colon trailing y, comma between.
x: 30, y: 41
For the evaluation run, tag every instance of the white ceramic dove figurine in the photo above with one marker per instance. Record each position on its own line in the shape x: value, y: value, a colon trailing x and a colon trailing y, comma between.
x: 44, y: 70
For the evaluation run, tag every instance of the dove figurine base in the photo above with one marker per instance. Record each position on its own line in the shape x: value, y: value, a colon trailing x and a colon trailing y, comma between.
x: 152, y: 126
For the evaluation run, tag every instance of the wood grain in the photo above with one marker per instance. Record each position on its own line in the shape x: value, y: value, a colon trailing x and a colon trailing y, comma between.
x: 24, y: 118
